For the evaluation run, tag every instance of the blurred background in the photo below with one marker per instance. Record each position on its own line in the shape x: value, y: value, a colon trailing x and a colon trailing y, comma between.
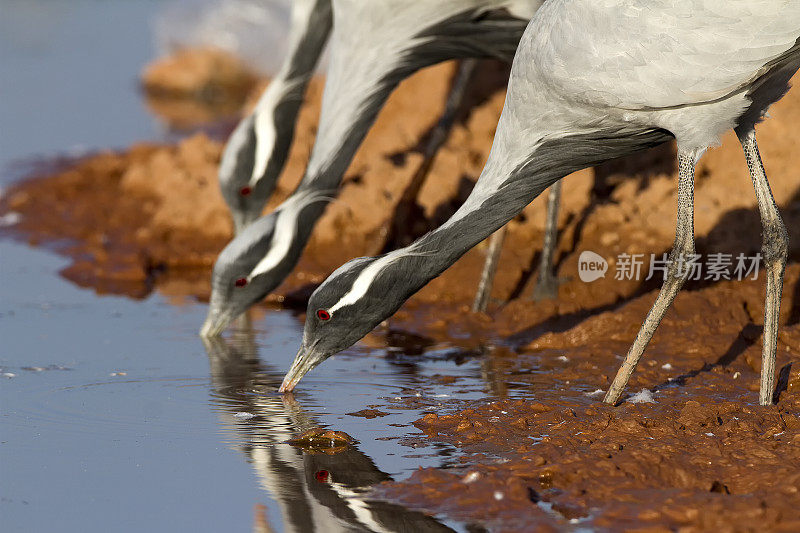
x: 70, y: 71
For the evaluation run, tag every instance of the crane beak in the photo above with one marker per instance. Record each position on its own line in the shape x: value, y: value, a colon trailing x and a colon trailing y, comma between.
x: 304, y: 362
x: 215, y: 323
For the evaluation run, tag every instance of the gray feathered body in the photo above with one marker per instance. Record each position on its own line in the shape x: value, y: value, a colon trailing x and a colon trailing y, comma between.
x: 592, y: 80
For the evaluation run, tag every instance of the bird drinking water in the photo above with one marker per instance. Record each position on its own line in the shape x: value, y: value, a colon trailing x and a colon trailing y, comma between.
x: 594, y: 81
x: 374, y: 45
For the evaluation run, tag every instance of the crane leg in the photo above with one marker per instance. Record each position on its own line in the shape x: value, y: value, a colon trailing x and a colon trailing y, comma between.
x: 676, y: 275
x: 489, y: 269
x: 774, y: 248
x: 404, y: 213
x: 547, y: 284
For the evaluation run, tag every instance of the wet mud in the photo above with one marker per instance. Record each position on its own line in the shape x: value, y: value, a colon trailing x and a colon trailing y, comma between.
x: 689, y: 448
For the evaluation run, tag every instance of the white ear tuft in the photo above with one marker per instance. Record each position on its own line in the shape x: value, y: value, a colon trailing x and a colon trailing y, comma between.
x: 286, y: 229
x: 364, y: 280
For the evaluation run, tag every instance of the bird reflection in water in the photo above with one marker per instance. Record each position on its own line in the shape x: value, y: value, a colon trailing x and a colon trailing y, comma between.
x: 315, y: 489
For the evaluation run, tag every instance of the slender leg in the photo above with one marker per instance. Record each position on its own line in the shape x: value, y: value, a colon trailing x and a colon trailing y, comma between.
x: 547, y: 284
x: 489, y: 269
x: 442, y: 129
x: 774, y: 248
x: 674, y: 279
x: 398, y: 225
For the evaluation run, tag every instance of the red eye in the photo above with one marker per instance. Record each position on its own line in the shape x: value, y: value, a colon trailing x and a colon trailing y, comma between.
x: 322, y: 476
x: 323, y: 315
x: 245, y: 191
x: 241, y: 282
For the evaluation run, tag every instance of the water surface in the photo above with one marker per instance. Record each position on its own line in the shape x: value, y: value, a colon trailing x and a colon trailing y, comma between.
x: 113, y: 413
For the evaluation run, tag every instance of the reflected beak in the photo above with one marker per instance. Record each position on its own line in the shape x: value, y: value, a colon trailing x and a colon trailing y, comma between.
x: 304, y: 361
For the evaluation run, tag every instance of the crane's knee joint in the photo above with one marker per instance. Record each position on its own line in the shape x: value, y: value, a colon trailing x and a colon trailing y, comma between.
x: 680, y: 260
x: 775, y: 246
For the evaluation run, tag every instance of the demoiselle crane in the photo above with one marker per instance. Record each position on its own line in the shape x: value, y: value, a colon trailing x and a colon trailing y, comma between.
x: 258, y: 148
x: 374, y: 46
x: 594, y: 81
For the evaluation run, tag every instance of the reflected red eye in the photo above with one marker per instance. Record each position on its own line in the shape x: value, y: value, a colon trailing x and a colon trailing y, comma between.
x: 241, y: 282
x: 322, y: 476
x: 245, y: 191
x: 323, y: 315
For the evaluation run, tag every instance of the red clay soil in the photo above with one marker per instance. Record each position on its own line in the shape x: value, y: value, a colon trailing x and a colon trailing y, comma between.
x: 702, y: 456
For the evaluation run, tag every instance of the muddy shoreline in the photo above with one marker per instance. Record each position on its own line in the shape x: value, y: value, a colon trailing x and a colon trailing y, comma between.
x: 701, y: 456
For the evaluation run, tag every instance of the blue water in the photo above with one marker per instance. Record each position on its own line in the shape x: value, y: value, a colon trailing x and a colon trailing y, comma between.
x: 69, y: 76
x: 114, y: 416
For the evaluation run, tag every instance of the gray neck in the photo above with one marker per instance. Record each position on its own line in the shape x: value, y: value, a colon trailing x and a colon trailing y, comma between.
x: 495, y: 36
x: 306, y: 43
x: 480, y: 216
x: 306, y: 46
x: 339, y: 152
x: 488, y: 209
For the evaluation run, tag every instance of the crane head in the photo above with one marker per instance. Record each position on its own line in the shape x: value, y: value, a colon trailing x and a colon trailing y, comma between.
x: 248, y: 173
x: 234, y: 285
x: 349, y: 304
